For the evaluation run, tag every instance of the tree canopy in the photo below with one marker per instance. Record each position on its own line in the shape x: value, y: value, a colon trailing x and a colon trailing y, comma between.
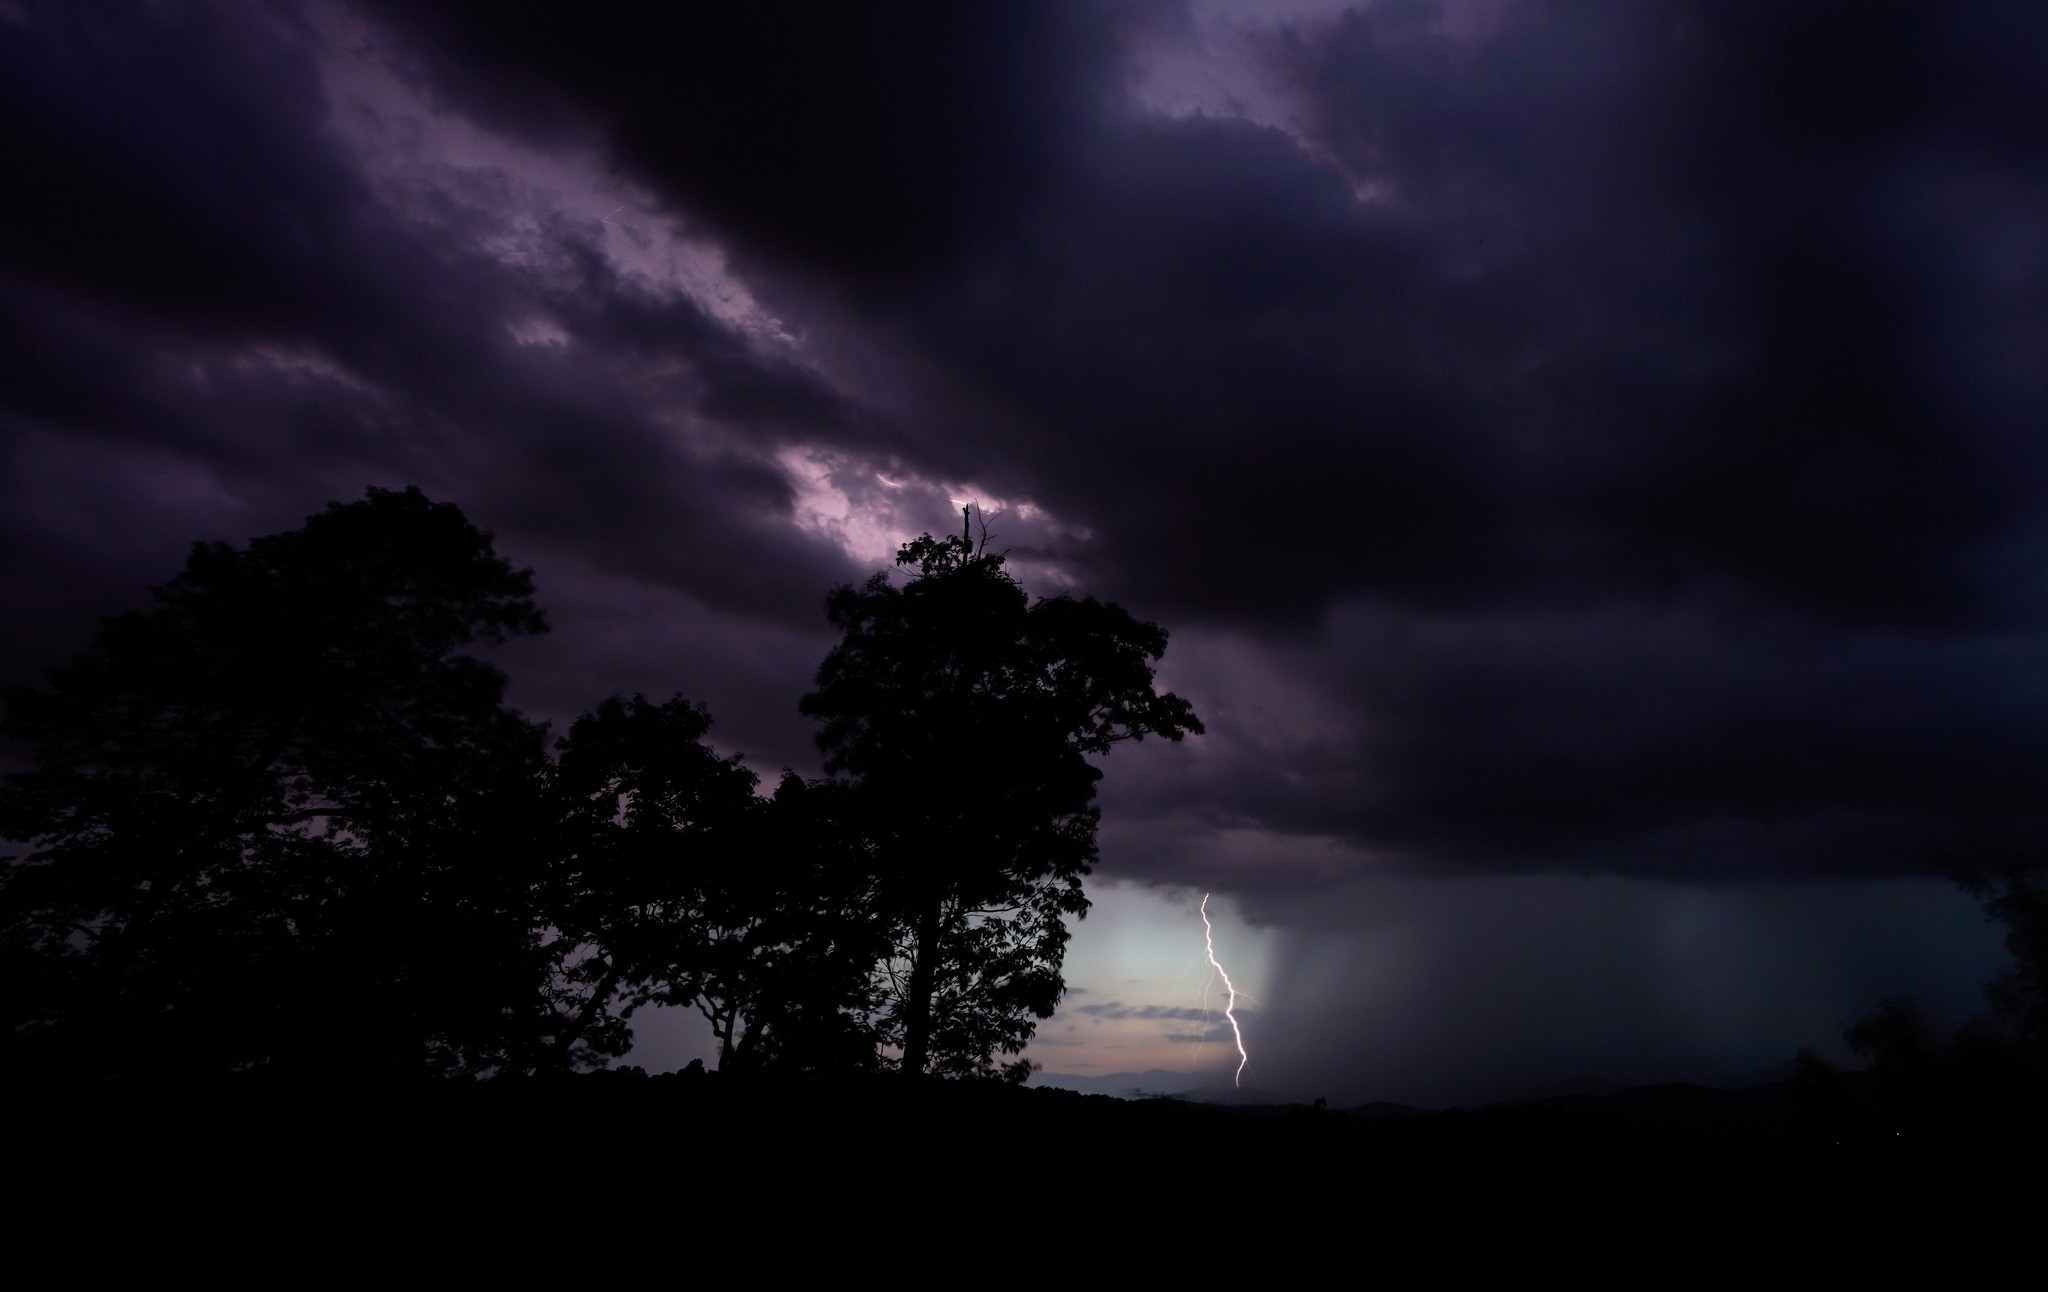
x: 964, y: 715
x: 283, y: 821
x: 674, y: 883
x: 276, y: 819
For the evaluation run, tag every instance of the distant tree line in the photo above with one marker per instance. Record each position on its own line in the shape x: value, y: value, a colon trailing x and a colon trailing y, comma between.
x: 283, y: 822
x: 1985, y: 1083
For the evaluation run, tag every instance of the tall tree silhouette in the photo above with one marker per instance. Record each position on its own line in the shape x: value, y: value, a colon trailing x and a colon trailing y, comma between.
x: 673, y: 883
x: 281, y: 819
x: 964, y: 716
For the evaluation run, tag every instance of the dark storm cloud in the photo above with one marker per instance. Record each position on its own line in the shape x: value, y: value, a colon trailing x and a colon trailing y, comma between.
x: 1207, y: 345
x: 1596, y: 332
x: 1653, y: 376
x: 1712, y: 321
x: 1643, y: 741
x: 862, y: 141
x: 213, y: 323
x: 1200, y: 303
x: 178, y: 161
x: 1605, y: 439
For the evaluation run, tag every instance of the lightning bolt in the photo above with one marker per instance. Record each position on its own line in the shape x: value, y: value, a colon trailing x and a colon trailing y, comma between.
x: 1230, y: 1005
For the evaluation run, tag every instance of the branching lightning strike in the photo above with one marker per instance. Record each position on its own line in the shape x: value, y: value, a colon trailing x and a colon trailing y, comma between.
x: 1229, y: 1005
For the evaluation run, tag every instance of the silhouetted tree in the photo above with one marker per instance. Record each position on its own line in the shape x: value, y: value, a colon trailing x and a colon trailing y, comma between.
x: 650, y: 815
x: 1904, y: 1057
x: 2013, y: 896
x: 964, y: 717
x: 675, y: 884
x: 280, y: 819
x: 794, y: 989
x: 1991, y: 1077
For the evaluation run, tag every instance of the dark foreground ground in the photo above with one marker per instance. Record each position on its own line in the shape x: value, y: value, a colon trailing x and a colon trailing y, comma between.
x: 600, y: 1167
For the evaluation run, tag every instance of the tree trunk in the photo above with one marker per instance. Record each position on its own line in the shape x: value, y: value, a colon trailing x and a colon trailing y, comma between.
x: 917, y: 1016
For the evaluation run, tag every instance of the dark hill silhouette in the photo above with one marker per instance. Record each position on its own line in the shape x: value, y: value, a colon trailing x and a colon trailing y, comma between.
x: 799, y: 1160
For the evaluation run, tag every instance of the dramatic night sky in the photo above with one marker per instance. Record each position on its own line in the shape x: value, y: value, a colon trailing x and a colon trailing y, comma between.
x: 1589, y: 453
